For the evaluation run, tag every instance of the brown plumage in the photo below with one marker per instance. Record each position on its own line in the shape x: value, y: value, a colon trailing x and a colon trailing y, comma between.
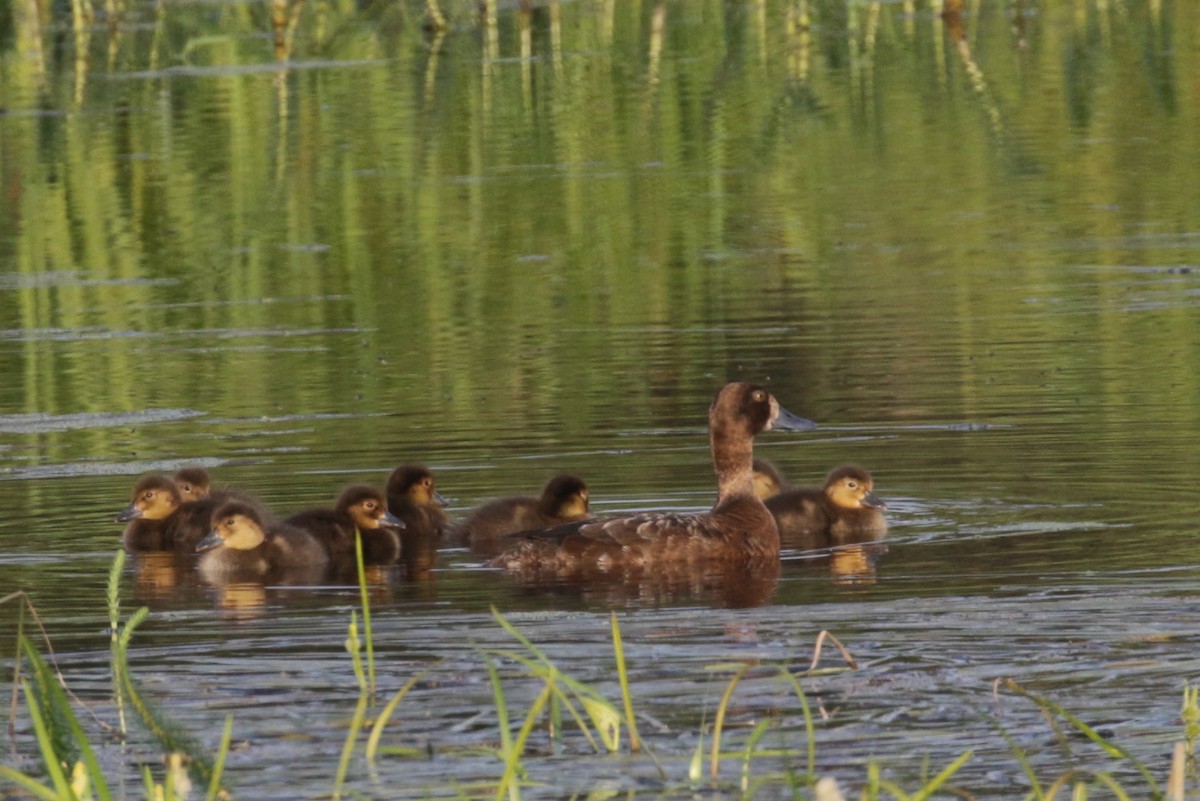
x: 842, y: 511
x: 564, y: 499
x: 738, y: 527
x: 361, y: 508
x: 159, y: 520
x: 413, y: 498
x: 242, y: 546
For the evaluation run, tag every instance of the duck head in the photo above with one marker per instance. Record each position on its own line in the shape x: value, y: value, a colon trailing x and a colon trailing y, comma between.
x: 193, y: 483
x: 155, y: 497
x: 565, y: 496
x: 767, y: 481
x: 236, y: 525
x: 851, y: 487
x: 415, y: 483
x: 366, y: 506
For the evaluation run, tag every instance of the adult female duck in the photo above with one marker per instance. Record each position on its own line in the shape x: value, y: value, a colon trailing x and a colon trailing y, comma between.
x: 737, y: 527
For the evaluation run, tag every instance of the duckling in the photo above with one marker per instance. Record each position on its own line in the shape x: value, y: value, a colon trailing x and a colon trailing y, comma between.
x: 194, y: 483
x: 768, y: 481
x: 846, y: 509
x: 241, y: 546
x: 564, y: 499
x: 360, y: 507
x: 158, y: 519
x: 738, y: 527
x: 413, y: 498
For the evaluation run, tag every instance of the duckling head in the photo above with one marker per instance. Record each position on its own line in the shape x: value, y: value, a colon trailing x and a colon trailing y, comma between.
x: 851, y: 487
x: 236, y: 525
x: 155, y: 497
x: 767, y: 481
x: 367, y: 508
x: 565, y: 496
x: 415, y: 483
x: 193, y: 483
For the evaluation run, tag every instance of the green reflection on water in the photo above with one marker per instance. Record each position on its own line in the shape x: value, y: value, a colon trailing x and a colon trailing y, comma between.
x: 564, y: 243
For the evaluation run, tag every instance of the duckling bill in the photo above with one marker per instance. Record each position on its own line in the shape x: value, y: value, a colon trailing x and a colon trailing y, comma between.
x: 738, y: 527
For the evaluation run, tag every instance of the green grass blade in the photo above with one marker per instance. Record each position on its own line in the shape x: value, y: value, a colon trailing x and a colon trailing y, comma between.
x: 49, y: 756
x: 635, y: 742
x: 1109, y: 748
x: 940, y: 779
x: 214, y: 784
x: 366, y: 612
x: 386, y: 714
x: 360, y: 713
x: 810, y: 731
x: 715, y: 764
x: 755, y: 735
x: 501, y: 705
x: 512, y: 759
x: 27, y: 784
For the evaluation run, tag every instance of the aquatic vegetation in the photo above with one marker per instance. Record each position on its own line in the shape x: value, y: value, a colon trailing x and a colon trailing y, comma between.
x: 565, y: 712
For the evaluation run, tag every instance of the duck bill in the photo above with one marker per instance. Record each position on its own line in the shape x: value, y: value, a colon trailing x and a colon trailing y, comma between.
x: 872, y: 500
x: 390, y: 519
x: 131, y: 512
x: 440, y: 499
x: 786, y: 421
x: 210, y: 541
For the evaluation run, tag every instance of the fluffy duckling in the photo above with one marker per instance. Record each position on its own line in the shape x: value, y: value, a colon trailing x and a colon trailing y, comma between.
x: 768, y: 481
x: 738, y: 527
x: 413, y: 498
x: 846, y: 509
x: 241, y: 546
x: 194, y: 483
x: 158, y: 519
x: 564, y: 499
x: 360, y: 507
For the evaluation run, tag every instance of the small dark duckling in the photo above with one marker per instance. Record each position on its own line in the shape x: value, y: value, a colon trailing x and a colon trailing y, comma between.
x: 564, y: 499
x: 194, y: 483
x: 768, y: 481
x: 158, y: 519
x: 241, y: 546
x: 738, y: 527
x: 360, y: 507
x: 846, y: 509
x: 413, y: 498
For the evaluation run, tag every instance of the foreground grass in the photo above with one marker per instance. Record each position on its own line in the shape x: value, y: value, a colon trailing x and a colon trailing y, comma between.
x: 564, y: 706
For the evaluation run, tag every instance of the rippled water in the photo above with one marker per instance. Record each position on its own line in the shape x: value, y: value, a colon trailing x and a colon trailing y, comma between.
x: 976, y: 264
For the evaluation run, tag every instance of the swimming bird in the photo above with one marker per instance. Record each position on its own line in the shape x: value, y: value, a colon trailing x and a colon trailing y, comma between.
x: 564, y: 499
x: 738, y: 527
x: 768, y: 481
x: 362, y: 508
x: 846, y: 509
x: 242, y: 546
x: 413, y: 498
x: 158, y: 519
x: 194, y: 483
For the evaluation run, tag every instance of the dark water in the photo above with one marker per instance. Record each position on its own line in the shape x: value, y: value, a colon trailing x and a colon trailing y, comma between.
x: 975, y: 262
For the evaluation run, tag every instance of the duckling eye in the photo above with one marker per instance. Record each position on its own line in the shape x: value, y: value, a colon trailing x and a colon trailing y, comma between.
x: 852, y: 484
x: 149, y: 495
x: 427, y: 482
x: 369, y: 506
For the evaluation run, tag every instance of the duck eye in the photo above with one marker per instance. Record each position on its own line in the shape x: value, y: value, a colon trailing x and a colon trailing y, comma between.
x: 759, y: 395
